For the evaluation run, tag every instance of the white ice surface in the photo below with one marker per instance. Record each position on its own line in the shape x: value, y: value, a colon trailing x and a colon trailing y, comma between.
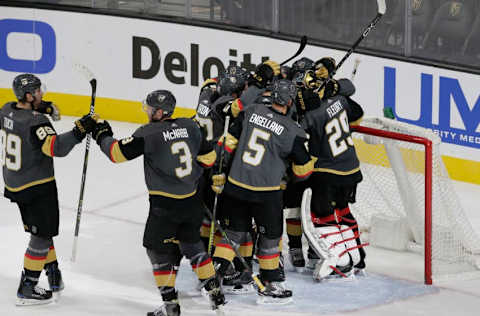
x: 112, y: 274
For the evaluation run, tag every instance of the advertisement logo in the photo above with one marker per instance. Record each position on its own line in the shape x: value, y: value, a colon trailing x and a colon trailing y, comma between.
x: 47, y: 61
x: 450, y: 97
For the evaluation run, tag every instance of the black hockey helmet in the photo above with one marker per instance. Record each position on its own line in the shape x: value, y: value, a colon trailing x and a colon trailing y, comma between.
x: 324, y: 67
x: 161, y: 100
x: 231, y: 83
x: 237, y: 71
x: 283, y: 91
x: 25, y: 83
x: 302, y: 65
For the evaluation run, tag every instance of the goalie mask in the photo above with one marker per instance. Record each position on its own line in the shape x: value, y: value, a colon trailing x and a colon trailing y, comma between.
x: 26, y: 83
x: 160, y: 100
x: 283, y: 91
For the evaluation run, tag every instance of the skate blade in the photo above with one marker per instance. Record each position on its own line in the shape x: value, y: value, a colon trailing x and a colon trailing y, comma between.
x: 337, y: 278
x: 265, y: 300
x: 239, y: 290
x: 29, y: 302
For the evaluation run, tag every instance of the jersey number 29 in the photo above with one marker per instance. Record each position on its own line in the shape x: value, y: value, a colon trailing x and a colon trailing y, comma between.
x: 335, y: 129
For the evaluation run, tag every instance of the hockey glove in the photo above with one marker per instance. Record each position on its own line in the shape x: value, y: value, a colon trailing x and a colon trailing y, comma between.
x: 102, y: 130
x: 85, y: 125
x: 218, y: 181
x: 49, y: 108
x: 330, y: 90
x: 265, y: 73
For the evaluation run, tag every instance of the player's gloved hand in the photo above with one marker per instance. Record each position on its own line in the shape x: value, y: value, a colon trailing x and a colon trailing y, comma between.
x: 102, y: 130
x: 49, y: 108
x: 264, y: 73
x: 218, y: 181
x: 310, y: 80
x: 283, y: 185
x: 330, y: 90
x: 85, y: 125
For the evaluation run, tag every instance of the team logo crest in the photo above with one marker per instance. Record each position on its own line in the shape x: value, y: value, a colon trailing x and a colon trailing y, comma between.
x: 24, y: 81
x: 161, y: 98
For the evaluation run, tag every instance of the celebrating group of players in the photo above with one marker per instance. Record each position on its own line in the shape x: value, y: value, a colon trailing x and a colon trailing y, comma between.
x: 256, y: 143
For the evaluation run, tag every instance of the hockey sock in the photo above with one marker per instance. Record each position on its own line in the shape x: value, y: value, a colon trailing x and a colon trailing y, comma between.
x: 294, y: 233
x: 35, y: 257
x: 199, y: 260
x: 51, y: 261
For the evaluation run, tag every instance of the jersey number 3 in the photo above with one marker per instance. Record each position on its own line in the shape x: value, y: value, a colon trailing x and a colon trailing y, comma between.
x: 185, y: 156
x: 335, y: 129
x: 10, y: 145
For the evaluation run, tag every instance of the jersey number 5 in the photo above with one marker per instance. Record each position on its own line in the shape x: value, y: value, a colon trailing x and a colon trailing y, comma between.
x: 185, y: 159
x: 11, y: 145
x: 335, y: 129
x: 255, y: 155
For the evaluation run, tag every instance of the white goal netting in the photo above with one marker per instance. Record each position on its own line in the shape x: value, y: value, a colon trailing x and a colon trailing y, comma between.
x: 391, y: 200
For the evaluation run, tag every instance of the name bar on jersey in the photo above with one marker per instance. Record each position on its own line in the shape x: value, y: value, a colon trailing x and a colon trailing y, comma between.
x: 266, y: 123
x: 175, y: 133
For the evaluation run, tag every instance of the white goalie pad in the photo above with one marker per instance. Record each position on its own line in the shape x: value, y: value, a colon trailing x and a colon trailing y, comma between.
x: 350, y: 243
x: 319, y: 245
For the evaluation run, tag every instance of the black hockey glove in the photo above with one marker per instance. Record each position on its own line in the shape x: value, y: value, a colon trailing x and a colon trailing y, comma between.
x: 49, y: 108
x: 330, y: 90
x: 84, y: 126
x: 102, y: 130
x: 264, y: 74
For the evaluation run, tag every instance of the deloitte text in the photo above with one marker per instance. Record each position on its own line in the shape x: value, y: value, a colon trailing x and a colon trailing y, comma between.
x: 175, y: 63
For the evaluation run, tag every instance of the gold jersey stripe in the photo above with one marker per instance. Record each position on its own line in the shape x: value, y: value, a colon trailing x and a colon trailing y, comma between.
x: 170, y: 195
x: 28, y: 185
x: 231, y: 143
x: 337, y: 172
x: 252, y: 188
x: 47, y: 147
x: 357, y: 122
x: 207, y: 159
x: 302, y: 171
x: 116, y: 154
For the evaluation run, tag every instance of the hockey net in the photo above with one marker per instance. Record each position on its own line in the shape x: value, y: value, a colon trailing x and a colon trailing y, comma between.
x: 407, y: 201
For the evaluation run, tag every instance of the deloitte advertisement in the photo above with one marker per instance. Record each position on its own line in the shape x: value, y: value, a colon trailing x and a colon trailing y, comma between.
x: 131, y: 57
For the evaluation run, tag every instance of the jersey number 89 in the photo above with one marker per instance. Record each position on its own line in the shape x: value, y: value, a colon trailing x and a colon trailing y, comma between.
x: 11, y: 145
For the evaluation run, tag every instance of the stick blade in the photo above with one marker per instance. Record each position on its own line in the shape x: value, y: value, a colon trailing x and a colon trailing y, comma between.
x: 382, y: 7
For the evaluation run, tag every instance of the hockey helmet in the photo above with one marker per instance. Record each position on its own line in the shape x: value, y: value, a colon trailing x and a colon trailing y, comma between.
x: 231, y: 83
x: 26, y: 83
x: 283, y: 91
x: 237, y: 71
x: 302, y: 65
x: 161, y: 100
x: 324, y: 67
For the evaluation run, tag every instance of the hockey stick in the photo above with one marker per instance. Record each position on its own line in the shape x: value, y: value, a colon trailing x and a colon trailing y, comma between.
x: 355, y: 68
x: 257, y: 281
x: 382, y: 8
x: 303, y: 43
x: 93, y: 83
x: 222, y: 154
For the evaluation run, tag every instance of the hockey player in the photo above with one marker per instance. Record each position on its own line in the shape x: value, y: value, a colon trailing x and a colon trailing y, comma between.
x: 264, y: 74
x: 335, y: 177
x: 174, y: 150
x: 262, y: 139
x: 28, y: 144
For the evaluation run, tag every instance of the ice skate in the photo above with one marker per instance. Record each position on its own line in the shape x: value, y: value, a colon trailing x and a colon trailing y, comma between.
x: 30, y: 294
x: 215, y: 294
x: 297, y: 259
x: 238, y: 283
x: 274, y: 293
x: 168, y: 309
x: 55, y: 280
